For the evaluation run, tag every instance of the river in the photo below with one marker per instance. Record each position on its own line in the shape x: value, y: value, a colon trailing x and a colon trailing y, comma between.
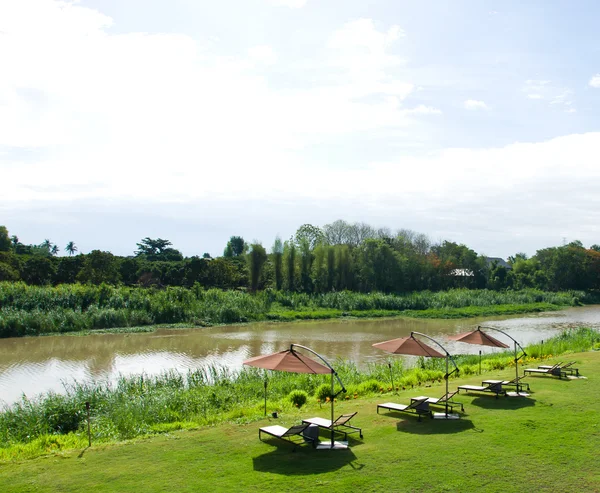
x: 31, y: 365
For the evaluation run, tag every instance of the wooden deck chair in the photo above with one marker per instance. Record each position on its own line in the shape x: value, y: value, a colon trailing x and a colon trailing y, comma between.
x: 419, y: 407
x: 293, y: 434
x: 441, y: 401
x: 340, y: 425
x: 495, y: 388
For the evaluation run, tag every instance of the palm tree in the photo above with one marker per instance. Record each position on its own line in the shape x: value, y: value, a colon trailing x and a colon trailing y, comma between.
x: 71, y: 248
x: 54, y: 250
x: 46, y: 245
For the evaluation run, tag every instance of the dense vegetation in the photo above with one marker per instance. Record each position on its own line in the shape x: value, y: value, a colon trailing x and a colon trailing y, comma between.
x: 34, y: 310
x: 336, y: 257
x: 143, y: 405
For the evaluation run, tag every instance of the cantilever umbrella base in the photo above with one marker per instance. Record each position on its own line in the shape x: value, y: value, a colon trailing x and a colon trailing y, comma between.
x: 326, y: 445
x: 445, y: 416
x: 517, y: 394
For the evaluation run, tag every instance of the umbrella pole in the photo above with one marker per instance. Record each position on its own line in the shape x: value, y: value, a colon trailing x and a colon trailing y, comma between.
x: 447, y: 378
x: 517, y: 368
x: 265, y: 396
x: 392, y: 375
x: 332, y: 397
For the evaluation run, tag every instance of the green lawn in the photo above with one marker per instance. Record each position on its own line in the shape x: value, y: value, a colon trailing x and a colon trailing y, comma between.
x: 549, y: 442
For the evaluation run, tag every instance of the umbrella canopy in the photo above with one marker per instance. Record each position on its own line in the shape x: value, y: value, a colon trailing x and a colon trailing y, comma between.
x: 288, y: 360
x: 478, y: 337
x: 408, y: 345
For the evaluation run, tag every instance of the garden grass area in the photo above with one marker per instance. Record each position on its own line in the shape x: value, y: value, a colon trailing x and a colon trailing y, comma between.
x: 548, y: 442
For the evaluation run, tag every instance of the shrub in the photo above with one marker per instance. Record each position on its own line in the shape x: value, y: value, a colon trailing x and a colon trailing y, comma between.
x: 370, y: 386
x: 298, y: 397
x: 323, y: 391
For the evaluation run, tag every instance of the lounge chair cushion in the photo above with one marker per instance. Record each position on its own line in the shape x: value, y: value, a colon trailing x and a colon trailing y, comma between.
x: 394, y: 406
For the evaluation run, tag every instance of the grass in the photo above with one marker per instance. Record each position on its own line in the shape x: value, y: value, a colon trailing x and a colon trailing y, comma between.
x: 546, y: 443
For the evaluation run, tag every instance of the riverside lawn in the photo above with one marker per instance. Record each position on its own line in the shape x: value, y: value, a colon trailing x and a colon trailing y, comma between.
x: 548, y: 442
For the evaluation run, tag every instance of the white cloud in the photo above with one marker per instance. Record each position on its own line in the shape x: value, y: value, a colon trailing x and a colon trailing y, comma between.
x: 555, y: 95
x: 472, y: 104
x: 262, y: 54
x: 595, y: 81
x: 292, y: 4
x: 424, y: 110
x: 163, y: 117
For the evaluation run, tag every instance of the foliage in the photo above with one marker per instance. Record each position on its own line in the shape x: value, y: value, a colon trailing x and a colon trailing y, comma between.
x: 298, y: 397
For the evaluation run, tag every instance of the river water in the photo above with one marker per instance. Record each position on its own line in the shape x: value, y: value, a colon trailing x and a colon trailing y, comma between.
x: 32, y: 365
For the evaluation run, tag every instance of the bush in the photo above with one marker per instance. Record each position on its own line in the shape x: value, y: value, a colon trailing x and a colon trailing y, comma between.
x: 323, y: 392
x: 370, y: 386
x: 298, y: 397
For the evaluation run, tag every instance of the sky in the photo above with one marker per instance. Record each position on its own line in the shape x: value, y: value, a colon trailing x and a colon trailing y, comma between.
x: 470, y: 121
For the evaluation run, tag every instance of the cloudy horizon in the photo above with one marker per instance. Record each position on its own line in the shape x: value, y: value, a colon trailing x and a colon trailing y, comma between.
x: 195, y: 121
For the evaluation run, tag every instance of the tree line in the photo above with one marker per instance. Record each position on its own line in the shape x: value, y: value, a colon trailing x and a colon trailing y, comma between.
x: 336, y: 257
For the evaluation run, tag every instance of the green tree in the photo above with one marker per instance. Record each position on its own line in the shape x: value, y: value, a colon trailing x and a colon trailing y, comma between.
x: 257, y: 256
x: 38, y: 270
x: 236, y: 246
x: 156, y: 250
x: 306, y: 260
x: 5, y: 242
x: 99, y: 267
x: 68, y: 268
x: 289, y: 252
x: 71, y: 248
x: 277, y: 256
x: 313, y: 235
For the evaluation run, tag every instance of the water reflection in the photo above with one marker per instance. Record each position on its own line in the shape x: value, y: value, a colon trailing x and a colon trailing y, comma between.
x: 33, y: 365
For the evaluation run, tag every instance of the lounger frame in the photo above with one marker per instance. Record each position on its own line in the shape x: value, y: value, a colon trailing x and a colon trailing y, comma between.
x: 292, y: 434
x: 415, y: 407
x: 492, y: 388
x: 340, y: 425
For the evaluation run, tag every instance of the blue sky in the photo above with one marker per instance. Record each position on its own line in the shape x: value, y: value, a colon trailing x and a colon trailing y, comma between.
x: 472, y: 121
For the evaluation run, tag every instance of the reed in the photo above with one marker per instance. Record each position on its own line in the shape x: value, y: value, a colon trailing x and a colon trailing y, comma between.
x: 33, y: 310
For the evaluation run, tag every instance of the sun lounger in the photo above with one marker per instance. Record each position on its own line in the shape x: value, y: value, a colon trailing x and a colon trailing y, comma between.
x: 292, y: 434
x: 340, y: 425
x: 551, y: 370
x: 493, y: 386
x: 441, y: 401
x: 419, y: 406
x: 516, y: 382
x: 566, y: 368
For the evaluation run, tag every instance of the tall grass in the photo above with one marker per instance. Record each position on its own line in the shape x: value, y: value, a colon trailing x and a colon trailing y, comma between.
x: 139, y: 405
x: 31, y: 310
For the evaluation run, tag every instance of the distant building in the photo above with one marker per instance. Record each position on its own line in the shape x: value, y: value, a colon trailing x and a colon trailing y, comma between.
x: 501, y: 262
x: 462, y: 273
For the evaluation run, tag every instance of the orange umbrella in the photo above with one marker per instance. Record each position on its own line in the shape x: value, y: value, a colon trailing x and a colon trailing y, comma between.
x: 292, y: 361
x: 408, y: 345
x: 288, y: 360
x: 479, y: 337
x: 413, y: 346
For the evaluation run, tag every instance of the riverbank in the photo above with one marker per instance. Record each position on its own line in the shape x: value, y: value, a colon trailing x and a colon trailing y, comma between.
x: 539, y: 444
x: 142, y: 405
x: 30, y: 310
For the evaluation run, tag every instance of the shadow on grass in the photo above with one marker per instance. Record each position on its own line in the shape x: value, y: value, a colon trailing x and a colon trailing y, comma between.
x: 506, y: 403
x: 305, y: 460
x: 83, y: 452
x: 435, y: 426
